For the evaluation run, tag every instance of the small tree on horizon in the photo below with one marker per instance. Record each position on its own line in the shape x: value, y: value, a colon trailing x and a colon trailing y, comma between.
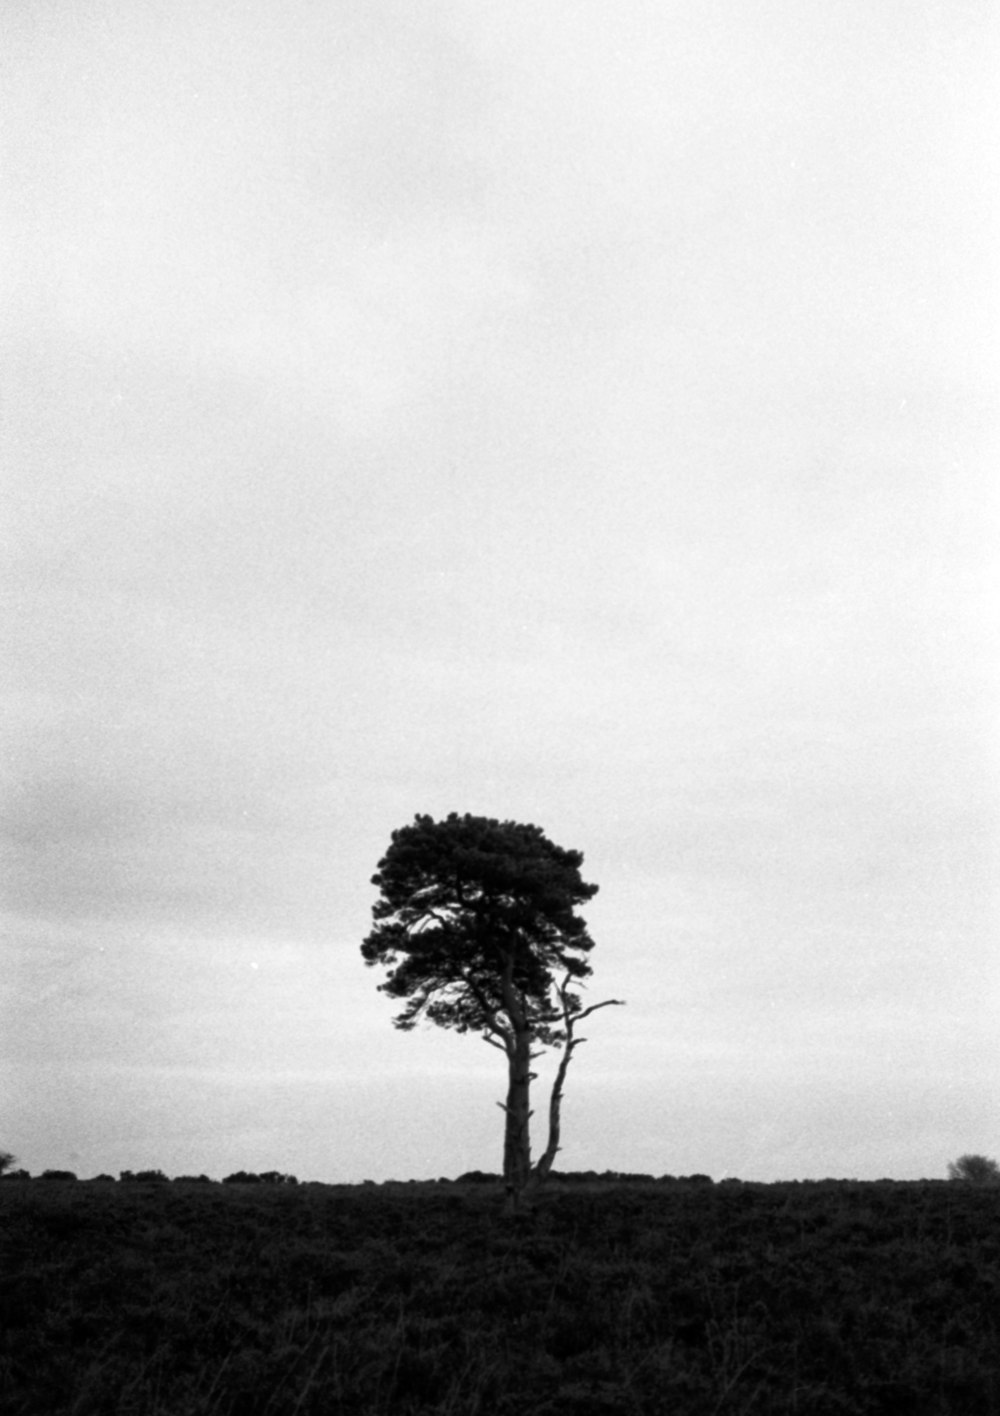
x: 975, y: 1170
x: 7, y: 1161
x: 475, y: 918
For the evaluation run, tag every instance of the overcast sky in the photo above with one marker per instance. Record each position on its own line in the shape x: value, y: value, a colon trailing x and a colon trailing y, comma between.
x: 568, y: 412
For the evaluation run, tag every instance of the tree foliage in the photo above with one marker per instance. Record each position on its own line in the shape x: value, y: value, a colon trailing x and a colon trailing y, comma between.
x: 467, y: 902
x: 975, y: 1170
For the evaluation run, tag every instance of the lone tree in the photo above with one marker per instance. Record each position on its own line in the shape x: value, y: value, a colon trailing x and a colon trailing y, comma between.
x: 974, y: 1170
x: 475, y: 918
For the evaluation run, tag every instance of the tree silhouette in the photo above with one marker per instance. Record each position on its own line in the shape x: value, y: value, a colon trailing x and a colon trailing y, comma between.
x: 975, y: 1170
x: 474, y: 919
x: 7, y: 1161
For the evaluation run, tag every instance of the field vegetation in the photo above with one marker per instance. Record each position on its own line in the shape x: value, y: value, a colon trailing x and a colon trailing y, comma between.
x: 254, y: 1299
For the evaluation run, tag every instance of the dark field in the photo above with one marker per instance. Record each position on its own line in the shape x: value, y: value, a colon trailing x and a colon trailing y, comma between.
x: 177, y: 1299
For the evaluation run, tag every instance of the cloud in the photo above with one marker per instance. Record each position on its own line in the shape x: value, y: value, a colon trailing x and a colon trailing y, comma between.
x: 562, y: 413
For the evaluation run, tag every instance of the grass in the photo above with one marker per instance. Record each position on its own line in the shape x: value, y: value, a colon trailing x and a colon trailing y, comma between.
x: 198, y: 1300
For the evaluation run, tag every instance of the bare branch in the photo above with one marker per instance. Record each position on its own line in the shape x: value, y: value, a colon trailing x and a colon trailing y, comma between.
x: 555, y: 1098
x: 608, y: 1003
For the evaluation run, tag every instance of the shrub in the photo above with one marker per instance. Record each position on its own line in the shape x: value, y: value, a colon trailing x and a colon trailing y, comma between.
x: 57, y: 1175
x: 241, y: 1177
x: 7, y: 1162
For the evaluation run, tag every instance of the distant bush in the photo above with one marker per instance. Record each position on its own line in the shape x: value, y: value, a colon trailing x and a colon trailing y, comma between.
x: 7, y: 1162
x: 16, y: 1175
x: 699, y: 1179
x: 591, y: 1177
x: 477, y: 1177
x: 266, y: 1177
x: 57, y: 1175
x: 96, y: 1178
x: 613, y: 1177
x: 975, y: 1170
x: 193, y: 1180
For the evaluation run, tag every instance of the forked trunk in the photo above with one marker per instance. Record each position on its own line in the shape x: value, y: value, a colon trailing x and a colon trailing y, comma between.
x: 520, y: 1180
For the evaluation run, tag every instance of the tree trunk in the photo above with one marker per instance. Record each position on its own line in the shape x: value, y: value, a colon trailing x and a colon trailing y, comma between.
x: 538, y: 1176
x: 520, y: 1181
x: 517, y: 1130
x: 541, y: 1170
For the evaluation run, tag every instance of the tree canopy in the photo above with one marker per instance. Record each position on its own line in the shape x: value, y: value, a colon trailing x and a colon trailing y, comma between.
x: 469, y: 902
x: 975, y: 1170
